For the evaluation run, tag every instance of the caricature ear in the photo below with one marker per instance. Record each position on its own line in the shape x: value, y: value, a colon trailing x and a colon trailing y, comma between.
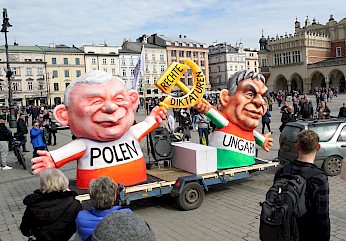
x: 134, y: 97
x: 61, y: 114
x: 224, y: 98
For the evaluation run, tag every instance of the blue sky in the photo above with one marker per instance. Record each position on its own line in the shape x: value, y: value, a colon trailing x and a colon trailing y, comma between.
x: 84, y: 22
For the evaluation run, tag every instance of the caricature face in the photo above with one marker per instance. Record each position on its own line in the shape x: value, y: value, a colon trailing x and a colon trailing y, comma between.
x: 247, y: 105
x: 101, y: 111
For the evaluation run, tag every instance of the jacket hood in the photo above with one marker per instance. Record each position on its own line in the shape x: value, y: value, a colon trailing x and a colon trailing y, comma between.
x: 49, y: 206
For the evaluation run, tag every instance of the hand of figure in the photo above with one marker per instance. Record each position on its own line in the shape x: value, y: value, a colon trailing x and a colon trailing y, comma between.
x: 43, y: 162
x: 158, y: 113
x: 268, y: 142
x: 203, y: 106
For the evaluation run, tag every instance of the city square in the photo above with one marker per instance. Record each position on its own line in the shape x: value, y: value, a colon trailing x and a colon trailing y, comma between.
x: 229, y: 211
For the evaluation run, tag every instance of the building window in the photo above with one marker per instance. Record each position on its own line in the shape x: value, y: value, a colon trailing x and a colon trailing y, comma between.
x: 147, y: 68
x: 28, y: 71
x: 195, y: 54
x: 55, y: 74
x: 113, y: 72
x: 132, y: 72
x: 53, y: 60
x: 173, y: 53
x: 188, y: 53
x: 338, y: 52
x: 40, y: 85
x: 202, y: 62
x: 15, y: 86
x: 104, y: 61
x: 112, y: 61
x: 30, y: 86
x: 77, y: 61
x: 202, y: 54
x: 39, y: 71
x: 65, y: 60
x: 78, y: 73
x: 147, y: 80
x: 264, y: 62
x: 181, y: 53
x: 105, y: 70
x: 67, y: 84
x: 153, y: 56
x: 131, y: 62
x: 146, y: 56
x: 162, y: 68
x: 67, y: 73
x: 56, y: 86
x: 93, y: 61
x: 124, y: 72
x: 154, y: 68
x: 161, y: 57
x: 123, y: 62
x: 296, y: 56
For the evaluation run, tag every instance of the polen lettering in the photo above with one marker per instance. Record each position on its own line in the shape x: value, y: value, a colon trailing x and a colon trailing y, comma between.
x: 115, y: 153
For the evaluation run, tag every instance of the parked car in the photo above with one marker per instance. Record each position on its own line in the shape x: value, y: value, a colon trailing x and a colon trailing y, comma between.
x: 332, y: 133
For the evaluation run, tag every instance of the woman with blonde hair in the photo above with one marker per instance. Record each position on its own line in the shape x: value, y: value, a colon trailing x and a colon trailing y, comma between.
x: 51, y: 210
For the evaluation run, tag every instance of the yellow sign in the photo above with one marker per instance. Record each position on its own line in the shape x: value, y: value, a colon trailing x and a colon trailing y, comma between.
x: 171, y: 77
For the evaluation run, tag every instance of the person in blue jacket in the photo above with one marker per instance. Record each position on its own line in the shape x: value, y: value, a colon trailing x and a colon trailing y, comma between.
x: 37, y: 139
x: 102, y: 193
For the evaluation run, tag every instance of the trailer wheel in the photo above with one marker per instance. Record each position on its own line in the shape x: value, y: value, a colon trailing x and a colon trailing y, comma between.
x: 191, y: 196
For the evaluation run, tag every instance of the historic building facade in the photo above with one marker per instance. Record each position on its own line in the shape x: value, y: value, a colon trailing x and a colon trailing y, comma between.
x: 224, y: 61
x: 311, y: 58
x: 64, y: 64
x: 183, y: 47
x: 29, y: 83
x: 155, y: 63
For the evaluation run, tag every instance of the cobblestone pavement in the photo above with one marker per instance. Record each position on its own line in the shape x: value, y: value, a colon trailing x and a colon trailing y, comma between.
x: 229, y: 212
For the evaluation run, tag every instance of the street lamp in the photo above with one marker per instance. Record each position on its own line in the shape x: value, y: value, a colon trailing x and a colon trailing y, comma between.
x: 9, y: 73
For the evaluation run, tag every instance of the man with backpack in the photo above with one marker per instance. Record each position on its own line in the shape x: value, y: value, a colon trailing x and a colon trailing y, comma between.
x: 297, y: 205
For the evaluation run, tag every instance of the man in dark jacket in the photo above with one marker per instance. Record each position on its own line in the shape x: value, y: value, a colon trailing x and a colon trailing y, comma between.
x: 287, y: 116
x: 315, y: 223
x: 22, y: 131
x: 342, y: 111
x: 307, y: 110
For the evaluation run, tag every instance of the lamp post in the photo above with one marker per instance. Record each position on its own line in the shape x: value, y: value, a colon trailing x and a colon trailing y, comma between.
x: 9, y: 73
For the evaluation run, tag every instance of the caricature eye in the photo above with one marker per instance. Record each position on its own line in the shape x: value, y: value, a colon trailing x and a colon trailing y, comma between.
x: 250, y: 94
x: 97, y: 102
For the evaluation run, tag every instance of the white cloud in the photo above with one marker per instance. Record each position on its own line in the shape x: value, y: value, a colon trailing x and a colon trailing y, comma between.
x: 85, y: 22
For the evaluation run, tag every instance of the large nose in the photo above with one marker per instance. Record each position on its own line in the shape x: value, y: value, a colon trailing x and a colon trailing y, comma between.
x: 259, y: 100
x: 109, y: 107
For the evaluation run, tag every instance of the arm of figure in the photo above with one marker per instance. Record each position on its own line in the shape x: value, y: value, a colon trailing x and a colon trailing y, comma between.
x: 150, y: 123
x: 263, y: 141
x: 57, y: 158
x: 212, y: 113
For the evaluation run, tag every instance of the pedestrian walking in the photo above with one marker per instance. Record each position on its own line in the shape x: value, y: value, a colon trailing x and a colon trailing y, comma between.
x: 22, y: 131
x: 315, y: 223
x: 5, y: 137
x: 266, y: 121
x: 307, y: 110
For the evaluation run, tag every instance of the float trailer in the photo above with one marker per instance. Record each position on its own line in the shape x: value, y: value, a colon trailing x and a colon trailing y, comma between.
x: 186, y: 187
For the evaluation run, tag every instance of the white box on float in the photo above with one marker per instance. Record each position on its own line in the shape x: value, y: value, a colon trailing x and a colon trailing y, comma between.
x: 194, y: 158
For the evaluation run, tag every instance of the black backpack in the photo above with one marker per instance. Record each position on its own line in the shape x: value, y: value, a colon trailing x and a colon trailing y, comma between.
x: 284, y: 203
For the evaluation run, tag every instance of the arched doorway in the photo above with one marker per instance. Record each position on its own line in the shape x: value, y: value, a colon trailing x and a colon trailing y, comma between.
x: 317, y: 81
x: 337, y: 79
x: 297, y: 83
x: 281, y: 83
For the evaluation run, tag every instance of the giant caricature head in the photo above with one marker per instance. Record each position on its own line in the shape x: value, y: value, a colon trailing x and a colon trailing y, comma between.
x: 245, y: 100
x: 98, y: 106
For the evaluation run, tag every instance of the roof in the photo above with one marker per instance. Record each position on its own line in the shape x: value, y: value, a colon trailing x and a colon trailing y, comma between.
x: 179, y: 39
x: 61, y: 48
x: 128, y: 51
x: 20, y: 48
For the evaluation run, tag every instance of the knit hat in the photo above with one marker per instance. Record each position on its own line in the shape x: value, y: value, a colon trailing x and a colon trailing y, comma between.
x: 123, y: 226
